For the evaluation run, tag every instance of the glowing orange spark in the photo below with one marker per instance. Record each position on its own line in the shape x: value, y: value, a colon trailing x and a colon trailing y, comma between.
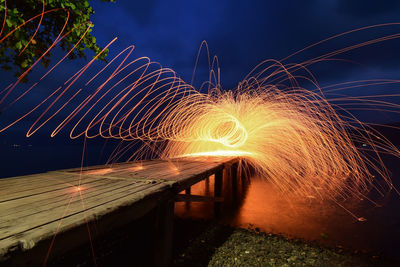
x: 137, y: 168
x: 98, y: 171
x: 289, y: 134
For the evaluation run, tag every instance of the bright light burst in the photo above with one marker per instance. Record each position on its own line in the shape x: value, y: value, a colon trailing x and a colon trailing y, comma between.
x: 291, y: 135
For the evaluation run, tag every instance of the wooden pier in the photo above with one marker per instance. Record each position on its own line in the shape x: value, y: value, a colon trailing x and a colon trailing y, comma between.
x: 37, y: 209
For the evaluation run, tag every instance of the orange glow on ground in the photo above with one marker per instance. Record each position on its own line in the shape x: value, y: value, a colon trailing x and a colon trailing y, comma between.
x: 98, y: 171
x: 174, y: 169
x: 136, y: 168
x: 78, y: 188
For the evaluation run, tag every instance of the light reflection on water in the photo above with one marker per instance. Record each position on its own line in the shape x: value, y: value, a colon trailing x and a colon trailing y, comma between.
x: 257, y: 204
x: 254, y: 204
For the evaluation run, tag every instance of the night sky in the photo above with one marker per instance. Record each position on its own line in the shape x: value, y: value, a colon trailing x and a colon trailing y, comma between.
x: 241, y: 34
x: 244, y: 33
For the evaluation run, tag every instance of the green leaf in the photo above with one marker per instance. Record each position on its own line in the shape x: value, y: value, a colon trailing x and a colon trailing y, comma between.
x: 24, y: 64
x: 9, y: 22
x: 79, y: 14
x: 18, y: 45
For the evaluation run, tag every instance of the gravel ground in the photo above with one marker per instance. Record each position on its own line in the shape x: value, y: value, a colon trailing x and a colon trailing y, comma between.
x: 224, y: 246
x: 208, y: 243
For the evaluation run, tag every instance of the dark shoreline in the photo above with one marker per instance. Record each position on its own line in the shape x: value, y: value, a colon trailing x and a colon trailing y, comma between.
x: 222, y: 245
x: 209, y: 243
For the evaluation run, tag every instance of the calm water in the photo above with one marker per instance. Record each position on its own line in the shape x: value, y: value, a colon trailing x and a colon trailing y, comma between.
x: 252, y: 204
x: 256, y: 204
x: 35, y: 155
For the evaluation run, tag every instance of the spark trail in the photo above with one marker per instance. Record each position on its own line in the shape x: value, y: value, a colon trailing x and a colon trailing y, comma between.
x: 294, y: 136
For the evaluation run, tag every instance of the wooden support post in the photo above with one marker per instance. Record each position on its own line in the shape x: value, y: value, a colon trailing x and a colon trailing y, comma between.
x: 218, y: 184
x: 188, y: 190
x: 217, y: 191
x: 234, y: 182
x: 234, y: 175
x: 164, y: 234
x: 207, y: 186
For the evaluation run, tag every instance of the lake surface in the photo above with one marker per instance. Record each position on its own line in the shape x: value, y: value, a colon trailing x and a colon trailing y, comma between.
x: 253, y: 203
x: 256, y: 204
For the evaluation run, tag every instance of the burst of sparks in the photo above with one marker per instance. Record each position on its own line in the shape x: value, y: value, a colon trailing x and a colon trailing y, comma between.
x: 218, y: 153
x: 291, y: 135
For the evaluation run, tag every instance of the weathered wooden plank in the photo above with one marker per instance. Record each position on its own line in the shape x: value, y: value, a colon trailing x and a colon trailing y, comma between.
x: 49, y: 178
x: 166, y: 173
x: 38, y: 202
x: 28, y: 179
x: 43, y: 187
x: 59, y: 180
x: 28, y: 239
x: 112, y: 165
x: 155, y: 172
x: 35, y: 207
x: 154, y: 164
x: 50, y: 205
x: 46, y: 186
x: 78, y: 204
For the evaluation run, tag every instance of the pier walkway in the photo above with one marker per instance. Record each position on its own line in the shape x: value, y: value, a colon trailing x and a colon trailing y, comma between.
x: 36, y: 210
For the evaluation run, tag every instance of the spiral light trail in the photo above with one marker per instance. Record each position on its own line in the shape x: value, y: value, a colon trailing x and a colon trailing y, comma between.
x: 296, y: 137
